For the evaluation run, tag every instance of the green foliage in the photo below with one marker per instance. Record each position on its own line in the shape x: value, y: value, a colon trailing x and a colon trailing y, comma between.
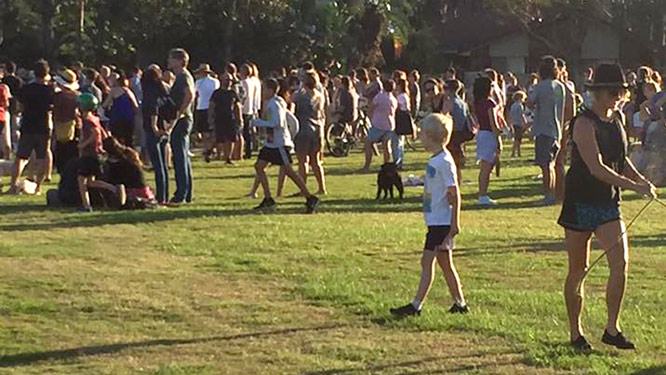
x: 334, y: 33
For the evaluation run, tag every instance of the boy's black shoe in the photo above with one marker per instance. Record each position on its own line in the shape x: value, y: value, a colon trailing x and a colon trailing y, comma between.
x: 407, y: 310
x: 581, y: 344
x: 618, y: 341
x: 457, y: 309
x: 267, y: 203
x: 311, y: 204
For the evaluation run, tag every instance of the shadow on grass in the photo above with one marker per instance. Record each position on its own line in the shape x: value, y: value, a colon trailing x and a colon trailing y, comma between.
x: 25, y: 359
x: 657, y: 370
x: 418, y: 362
x: 23, y: 208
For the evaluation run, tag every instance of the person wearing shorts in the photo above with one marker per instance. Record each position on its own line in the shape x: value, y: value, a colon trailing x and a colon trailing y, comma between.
x: 600, y: 169
x: 383, y: 109
x: 225, y: 116
x: 518, y: 121
x: 441, y: 211
x: 488, y: 143
x: 277, y: 148
x: 310, y: 111
x: 37, y: 101
x: 90, y: 148
x: 548, y: 98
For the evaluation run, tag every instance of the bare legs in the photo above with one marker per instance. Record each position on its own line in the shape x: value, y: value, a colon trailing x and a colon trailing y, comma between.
x: 445, y: 260
x: 548, y: 172
x: 578, y: 247
x: 484, y: 177
x: 369, y: 150
x: 260, y: 168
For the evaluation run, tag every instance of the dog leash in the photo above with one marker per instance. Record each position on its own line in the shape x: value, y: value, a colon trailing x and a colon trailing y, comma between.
x: 617, y: 242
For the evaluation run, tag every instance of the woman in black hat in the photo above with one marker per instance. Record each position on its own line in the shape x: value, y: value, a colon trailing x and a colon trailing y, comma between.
x: 600, y: 167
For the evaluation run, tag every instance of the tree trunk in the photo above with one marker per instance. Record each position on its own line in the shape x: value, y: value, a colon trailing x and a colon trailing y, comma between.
x: 48, y: 32
x: 229, y: 30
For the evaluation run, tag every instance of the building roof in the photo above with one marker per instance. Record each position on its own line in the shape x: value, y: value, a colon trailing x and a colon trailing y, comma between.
x: 468, y: 32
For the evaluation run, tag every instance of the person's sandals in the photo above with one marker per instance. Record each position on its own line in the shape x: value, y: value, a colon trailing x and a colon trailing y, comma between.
x: 618, y: 341
x: 580, y: 344
x: 404, y: 311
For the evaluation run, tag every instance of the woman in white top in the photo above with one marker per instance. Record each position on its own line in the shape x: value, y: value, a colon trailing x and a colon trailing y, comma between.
x: 404, y: 125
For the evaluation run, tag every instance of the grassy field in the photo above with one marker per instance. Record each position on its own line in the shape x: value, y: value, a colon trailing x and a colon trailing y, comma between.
x: 213, y: 288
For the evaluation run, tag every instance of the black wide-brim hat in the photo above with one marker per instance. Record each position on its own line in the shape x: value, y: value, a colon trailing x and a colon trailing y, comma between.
x: 608, y: 76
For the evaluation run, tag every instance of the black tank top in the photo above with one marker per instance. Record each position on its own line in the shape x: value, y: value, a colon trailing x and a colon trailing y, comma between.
x: 581, y: 185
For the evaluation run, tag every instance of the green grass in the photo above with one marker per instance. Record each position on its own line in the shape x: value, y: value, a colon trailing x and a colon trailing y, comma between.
x: 214, y: 288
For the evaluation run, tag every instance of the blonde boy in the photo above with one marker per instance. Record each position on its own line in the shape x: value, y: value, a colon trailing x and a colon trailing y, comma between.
x: 441, y: 207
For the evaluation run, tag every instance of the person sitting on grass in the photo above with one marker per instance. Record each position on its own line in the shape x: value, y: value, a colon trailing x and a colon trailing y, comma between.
x: 277, y: 148
x: 441, y: 207
x: 90, y: 151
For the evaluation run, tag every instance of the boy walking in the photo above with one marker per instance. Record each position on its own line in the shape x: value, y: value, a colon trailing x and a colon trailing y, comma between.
x: 277, y: 148
x: 441, y: 207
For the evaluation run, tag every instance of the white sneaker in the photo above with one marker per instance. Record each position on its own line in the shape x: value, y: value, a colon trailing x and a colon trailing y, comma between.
x: 486, y: 201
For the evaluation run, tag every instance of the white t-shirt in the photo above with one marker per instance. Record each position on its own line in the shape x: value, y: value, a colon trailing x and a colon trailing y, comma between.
x: 440, y: 176
x: 205, y: 88
x: 403, y: 102
x: 248, y: 100
x: 257, y: 95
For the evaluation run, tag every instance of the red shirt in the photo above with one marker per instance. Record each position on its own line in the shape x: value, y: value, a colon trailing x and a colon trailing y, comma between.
x: 91, y: 124
x: 481, y: 108
x: 5, y: 95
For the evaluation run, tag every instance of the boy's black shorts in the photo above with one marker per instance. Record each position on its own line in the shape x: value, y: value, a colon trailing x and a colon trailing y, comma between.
x: 276, y: 156
x: 436, y: 236
x: 90, y: 166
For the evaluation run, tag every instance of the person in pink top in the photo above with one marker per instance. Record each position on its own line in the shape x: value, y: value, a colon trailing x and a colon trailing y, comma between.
x: 383, y: 108
x: 5, y: 136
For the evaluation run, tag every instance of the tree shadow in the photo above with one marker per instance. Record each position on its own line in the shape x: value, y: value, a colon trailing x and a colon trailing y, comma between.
x: 25, y: 359
x: 656, y: 370
x: 414, y: 363
x: 23, y: 208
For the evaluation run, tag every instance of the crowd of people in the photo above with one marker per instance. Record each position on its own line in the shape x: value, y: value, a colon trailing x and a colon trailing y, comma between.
x: 98, y: 129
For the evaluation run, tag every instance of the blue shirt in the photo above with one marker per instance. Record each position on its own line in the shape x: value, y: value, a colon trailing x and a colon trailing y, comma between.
x: 460, y: 115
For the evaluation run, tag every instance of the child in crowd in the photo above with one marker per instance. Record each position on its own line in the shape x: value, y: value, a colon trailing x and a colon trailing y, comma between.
x: 277, y: 148
x: 441, y: 206
x: 518, y: 121
x: 90, y: 151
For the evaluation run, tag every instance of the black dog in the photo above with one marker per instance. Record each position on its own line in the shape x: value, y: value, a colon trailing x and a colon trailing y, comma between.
x: 387, y: 178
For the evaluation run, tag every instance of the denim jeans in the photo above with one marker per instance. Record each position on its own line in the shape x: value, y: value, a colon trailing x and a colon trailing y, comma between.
x: 180, y: 147
x: 398, y: 147
x: 247, y: 136
x: 156, y: 147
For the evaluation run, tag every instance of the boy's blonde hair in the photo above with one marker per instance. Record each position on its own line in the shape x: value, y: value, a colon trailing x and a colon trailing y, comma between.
x: 438, y: 128
x: 519, y: 96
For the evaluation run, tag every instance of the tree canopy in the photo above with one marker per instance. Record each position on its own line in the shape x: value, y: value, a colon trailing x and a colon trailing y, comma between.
x: 334, y: 33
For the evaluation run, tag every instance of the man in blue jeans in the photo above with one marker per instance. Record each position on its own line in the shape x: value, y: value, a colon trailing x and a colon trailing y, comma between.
x: 182, y: 94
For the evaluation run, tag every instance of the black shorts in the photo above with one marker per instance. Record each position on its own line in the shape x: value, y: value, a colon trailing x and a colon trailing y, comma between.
x: 276, y: 156
x: 587, y: 218
x: 546, y: 149
x: 90, y: 166
x: 201, y: 122
x: 436, y: 236
x: 32, y: 142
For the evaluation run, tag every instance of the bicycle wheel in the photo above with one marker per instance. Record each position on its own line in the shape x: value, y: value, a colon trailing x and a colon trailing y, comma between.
x: 337, y: 141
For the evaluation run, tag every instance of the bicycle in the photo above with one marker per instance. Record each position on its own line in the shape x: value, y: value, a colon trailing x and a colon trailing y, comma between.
x: 342, y: 137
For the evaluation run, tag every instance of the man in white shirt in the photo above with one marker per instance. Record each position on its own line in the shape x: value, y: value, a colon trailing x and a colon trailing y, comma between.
x: 249, y: 111
x: 205, y: 85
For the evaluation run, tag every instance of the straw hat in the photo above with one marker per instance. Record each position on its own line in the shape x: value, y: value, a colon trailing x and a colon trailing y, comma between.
x: 68, y: 80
